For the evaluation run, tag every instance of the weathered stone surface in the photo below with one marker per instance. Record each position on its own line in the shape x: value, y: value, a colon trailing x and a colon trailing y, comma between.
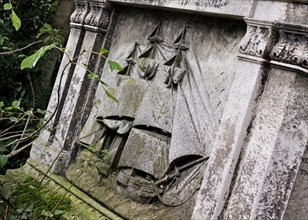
x: 230, y: 8
x: 261, y: 145
x: 200, y: 104
x: 299, y: 195
x: 154, y: 108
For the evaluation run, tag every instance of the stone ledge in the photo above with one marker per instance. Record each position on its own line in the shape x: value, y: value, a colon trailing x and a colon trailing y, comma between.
x: 226, y: 8
x: 74, y: 190
x: 83, y: 207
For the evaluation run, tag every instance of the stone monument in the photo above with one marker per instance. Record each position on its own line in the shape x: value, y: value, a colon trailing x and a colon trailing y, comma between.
x: 206, y: 119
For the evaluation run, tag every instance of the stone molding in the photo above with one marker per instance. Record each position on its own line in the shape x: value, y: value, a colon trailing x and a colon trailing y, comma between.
x: 99, y: 16
x: 282, y: 44
x: 81, y: 10
x: 292, y: 46
x: 259, y: 39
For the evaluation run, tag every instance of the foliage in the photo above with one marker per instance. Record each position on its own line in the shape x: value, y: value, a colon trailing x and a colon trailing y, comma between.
x: 28, y: 17
x: 25, y: 123
x: 14, y: 18
x: 44, y: 203
x: 18, y: 128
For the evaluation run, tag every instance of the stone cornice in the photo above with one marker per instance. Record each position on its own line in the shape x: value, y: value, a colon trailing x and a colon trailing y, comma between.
x: 78, y: 16
x: 292, y: 46
x: 99, y: 16
x: 259, y: 39
x: 282, y: 43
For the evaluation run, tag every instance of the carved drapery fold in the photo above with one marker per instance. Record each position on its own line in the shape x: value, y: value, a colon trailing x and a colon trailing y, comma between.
x: 292, y: 48
x: 99, y: 15
x: 258, y: 40
x: 81, y: 10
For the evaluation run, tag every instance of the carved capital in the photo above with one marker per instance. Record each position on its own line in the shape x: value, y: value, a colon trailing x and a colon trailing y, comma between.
x: 81, y: 10
x: 258, y: 40
x: 292, y: 47
x: 99, y: 15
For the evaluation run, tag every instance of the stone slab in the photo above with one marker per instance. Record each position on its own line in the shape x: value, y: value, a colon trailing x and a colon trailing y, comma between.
x: 233, y: 8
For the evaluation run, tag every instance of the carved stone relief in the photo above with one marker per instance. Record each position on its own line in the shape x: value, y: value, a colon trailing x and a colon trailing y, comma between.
x: 292, y: 48
x: 99, y: 15
x: 143, y: 135
x: 258, y: 40
x: 81, y: 10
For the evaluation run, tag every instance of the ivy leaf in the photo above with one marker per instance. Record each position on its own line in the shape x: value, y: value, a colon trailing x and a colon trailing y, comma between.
x: 110, y: 95
x: 7, y: 6
x: 31, y: 61
x: 13, y: 119
x: 3, y: 160
x: 114, y: 65
x: 104, y: 51
x: 15, y: 20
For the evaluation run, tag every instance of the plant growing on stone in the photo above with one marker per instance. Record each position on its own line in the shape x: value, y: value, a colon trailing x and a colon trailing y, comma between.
x: 22, y: 126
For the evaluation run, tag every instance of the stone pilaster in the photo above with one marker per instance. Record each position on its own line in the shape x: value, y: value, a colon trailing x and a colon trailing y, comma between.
x: 272, y: 158
x: 41, y: 151
x: 73, y: 107
x: 238, y: 117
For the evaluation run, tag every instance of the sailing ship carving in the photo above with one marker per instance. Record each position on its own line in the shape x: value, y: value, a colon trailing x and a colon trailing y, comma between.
x: 157, y: 92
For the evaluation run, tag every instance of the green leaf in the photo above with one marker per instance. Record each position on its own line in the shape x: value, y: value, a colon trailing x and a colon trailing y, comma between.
x: 3, y: 160
x: 41, y: 111
x: 46, y: 213
x: 1, y: 105
x: 13, y: 119
x: 29, y: 113
x: 110, y: 95
x: 1, y: 21
x: 2, y: 39
x: 16, y: 104
x: 9, y: 108
x: 47, y: 28
x: 31, y: 61
x: 93, y: 76
x: 7, y: 6
x: 59, y: 212
x: 104, y: 51
x: 15, y: 20
x: 114, y: 65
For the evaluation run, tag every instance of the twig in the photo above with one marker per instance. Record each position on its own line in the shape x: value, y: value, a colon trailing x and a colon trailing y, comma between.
x: 15, y: 152
x: 9, y: 128
x: 20, y: 49
x: 23, y: 132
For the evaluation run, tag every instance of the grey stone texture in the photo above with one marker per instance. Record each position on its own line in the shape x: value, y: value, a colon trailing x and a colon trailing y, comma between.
x: 210, y: 117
